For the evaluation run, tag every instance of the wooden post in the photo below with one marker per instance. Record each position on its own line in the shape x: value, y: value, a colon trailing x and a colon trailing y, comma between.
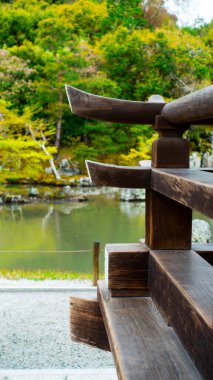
x: 168, y: 224
x: 96, y: 252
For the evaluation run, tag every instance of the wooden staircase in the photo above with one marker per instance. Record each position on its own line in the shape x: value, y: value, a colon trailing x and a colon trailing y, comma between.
x: 156, y: 302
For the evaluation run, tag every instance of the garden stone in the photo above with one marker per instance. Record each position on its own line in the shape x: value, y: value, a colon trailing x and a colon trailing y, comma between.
x: 64, y: 164
x: 201, y: 231
x: 85, y: 181
x: 195, y: 161
x: 132, y: 195
x: 33, y: 192
x: 67, y: 190
x: 208, y: 160
x: 15, y: 199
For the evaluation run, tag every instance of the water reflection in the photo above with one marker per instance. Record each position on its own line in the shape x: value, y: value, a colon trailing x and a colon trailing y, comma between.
x: 133, y: 209
x: 41, y: 236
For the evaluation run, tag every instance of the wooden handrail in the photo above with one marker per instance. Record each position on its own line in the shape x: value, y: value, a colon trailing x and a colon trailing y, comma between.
x: 118, y: 176
x: 97, y: 107
x: 195, y: 108
x: 190, y: 187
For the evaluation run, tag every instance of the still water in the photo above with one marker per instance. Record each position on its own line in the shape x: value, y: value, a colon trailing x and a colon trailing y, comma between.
x: 38, y: 236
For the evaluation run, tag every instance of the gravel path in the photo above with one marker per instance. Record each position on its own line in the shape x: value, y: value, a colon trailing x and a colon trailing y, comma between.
x: 35, y: 334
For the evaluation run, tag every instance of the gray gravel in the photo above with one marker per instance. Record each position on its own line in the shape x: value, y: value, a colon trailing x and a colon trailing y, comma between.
x: 35, y: 334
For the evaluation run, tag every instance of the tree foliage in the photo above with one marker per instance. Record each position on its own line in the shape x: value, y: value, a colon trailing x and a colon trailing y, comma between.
x: 127, y: 49
x: 21, y: 156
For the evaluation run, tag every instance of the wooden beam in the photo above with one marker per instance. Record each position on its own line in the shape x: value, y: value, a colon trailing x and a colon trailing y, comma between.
x: 190, y: 187
x: 143, y: 346
x: 181, y: 284
x: 193, y: 108
x: 168, y: 223
x: 205, y: 251
x: 126, y: 269
x: 113, y: 110
x: 170, y: 152
x: 118, y: 176
x: 86, y: 322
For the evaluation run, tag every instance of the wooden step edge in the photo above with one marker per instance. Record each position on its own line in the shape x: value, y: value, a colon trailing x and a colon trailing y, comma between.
x: 86, y: 322
x: 126, y: 269
x: 118, y: 176
x: 143, y: 346
x: 181, y: 285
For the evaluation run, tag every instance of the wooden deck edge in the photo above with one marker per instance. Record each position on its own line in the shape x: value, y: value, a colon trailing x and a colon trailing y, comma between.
x: 143, y: 346
x: 185, y: 186
x: 181, y: 284
x: 86, y: 322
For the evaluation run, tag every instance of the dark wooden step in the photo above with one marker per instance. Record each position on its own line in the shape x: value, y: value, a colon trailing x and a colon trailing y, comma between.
x: 86, y: 322
x: 126, y: 269
x: 181, y: 284
x: 143, y: 346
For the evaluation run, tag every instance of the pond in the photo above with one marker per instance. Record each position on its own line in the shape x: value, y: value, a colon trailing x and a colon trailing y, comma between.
x: 41, y: 236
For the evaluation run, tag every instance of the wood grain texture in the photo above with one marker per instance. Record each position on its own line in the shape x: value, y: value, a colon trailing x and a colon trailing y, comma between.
x: 86, y: 322
x: 170, y: 152
x: 193, y: 108
x: 190, y: 187
x: 143, y: 346
x: 205, y: 251
x: 126, y: 269
x: 114, y: 110
x: 130, y: 292
x: 181, y: 284
x: 168, y: 223
x: 118, y: 176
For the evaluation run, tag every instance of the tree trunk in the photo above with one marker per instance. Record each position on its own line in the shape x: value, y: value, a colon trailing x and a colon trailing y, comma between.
x: 43, y: 147
x: 59, y: 122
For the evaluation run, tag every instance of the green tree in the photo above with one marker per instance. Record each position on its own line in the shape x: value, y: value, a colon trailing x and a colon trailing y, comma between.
x: 16, y: 83
x: 21, y: 155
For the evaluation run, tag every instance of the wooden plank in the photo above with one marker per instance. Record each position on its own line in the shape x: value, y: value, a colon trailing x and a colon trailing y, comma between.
x: 143, y: 346
x: 126, y: 269
x: 181, y: 284
x: 113, y: 110
x: 118, y: 176
x: 86, y: 322
x: 193, y: 108
x: 205, y: 251
x: 190, y: 187
x: 129, y: 292
x: 168, y: 223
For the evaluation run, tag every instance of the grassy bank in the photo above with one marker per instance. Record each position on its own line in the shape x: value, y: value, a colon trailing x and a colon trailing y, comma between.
x: 43, y: 275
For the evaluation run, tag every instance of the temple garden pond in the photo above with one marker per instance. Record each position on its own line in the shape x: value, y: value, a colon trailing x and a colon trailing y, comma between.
x: 41, y: 235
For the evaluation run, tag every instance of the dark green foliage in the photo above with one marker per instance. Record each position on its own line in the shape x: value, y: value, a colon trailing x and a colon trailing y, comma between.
x: 116, y: 48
